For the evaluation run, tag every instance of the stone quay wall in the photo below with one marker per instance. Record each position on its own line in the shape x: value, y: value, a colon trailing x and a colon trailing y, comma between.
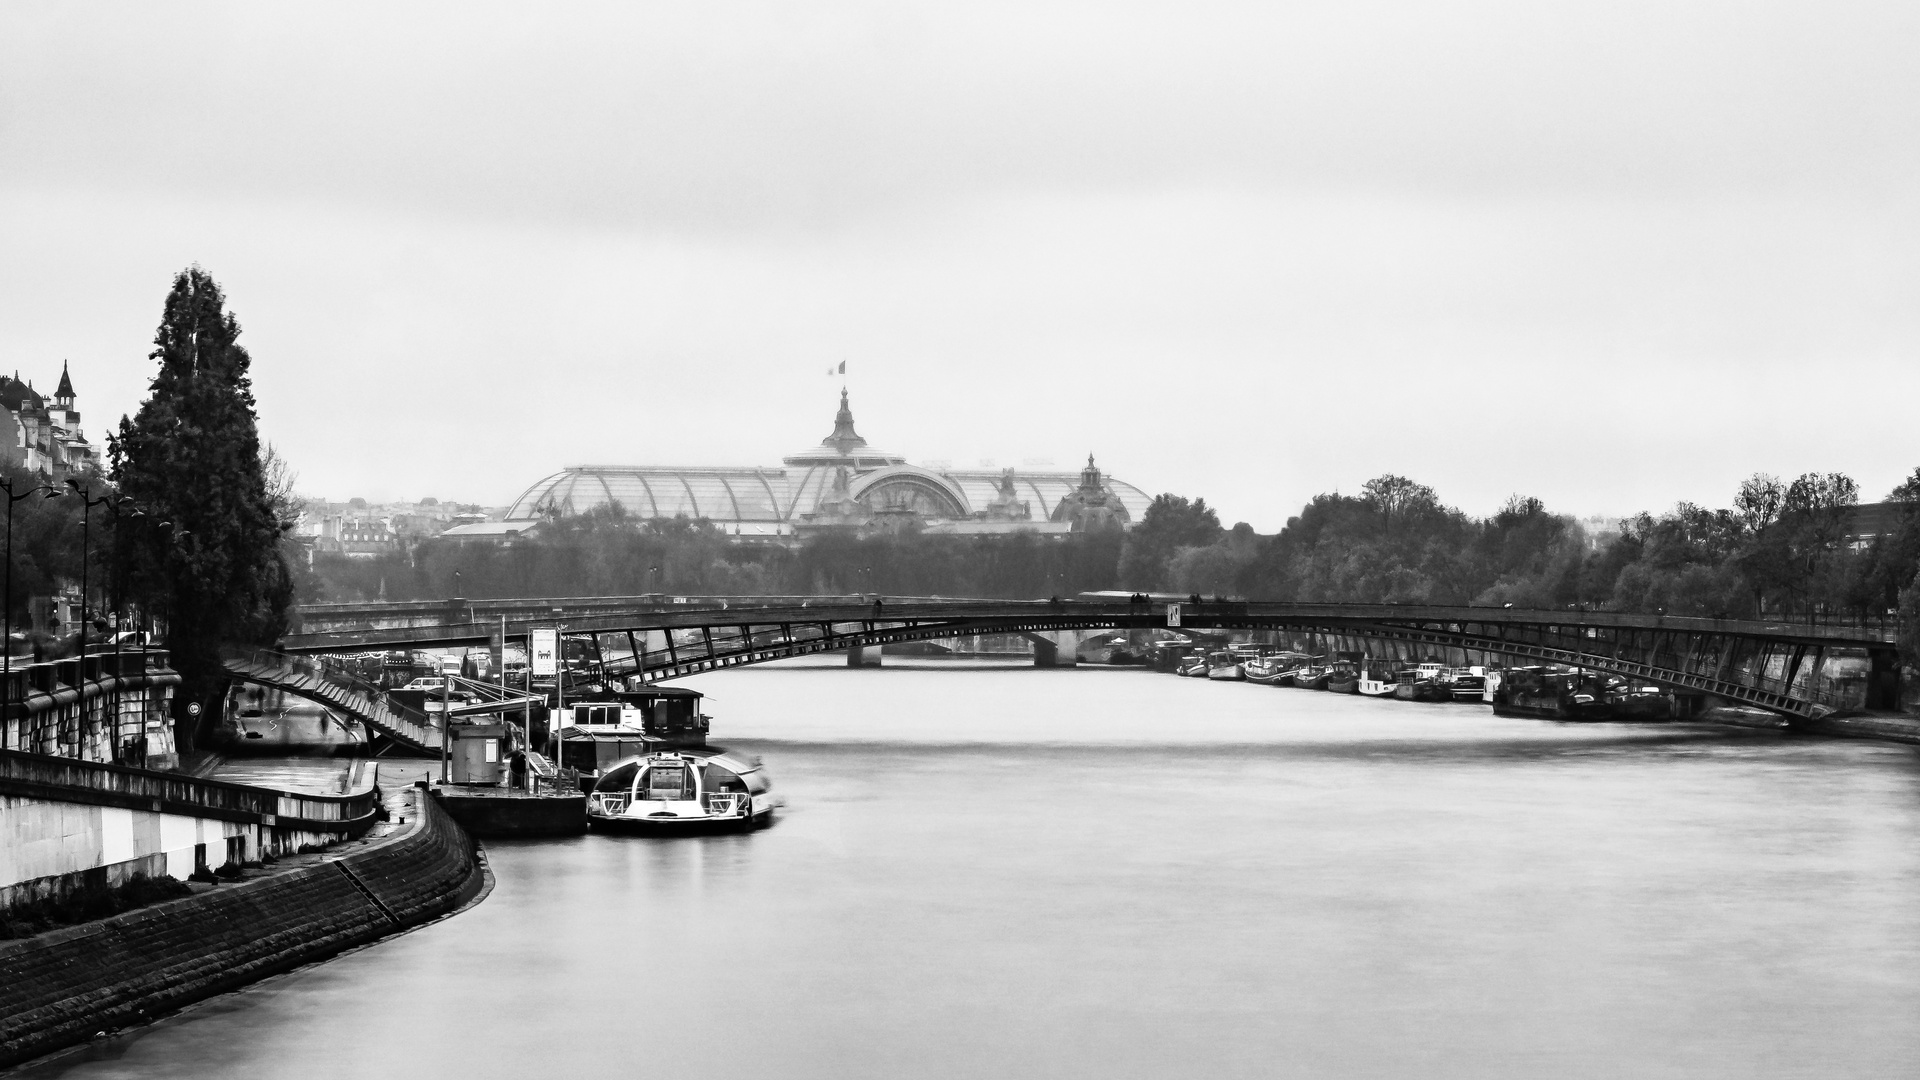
x: 61, y: 987
x: 68, y: 824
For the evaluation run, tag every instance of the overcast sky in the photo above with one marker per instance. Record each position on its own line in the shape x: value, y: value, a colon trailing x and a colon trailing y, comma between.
x: 1611, y: 254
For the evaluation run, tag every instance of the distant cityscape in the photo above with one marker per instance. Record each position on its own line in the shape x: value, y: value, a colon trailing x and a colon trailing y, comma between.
x: 841, y: 484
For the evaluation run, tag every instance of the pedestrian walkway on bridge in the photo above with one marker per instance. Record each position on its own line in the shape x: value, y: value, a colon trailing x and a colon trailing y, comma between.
x: 363, y: 702
x: 1785, y: 667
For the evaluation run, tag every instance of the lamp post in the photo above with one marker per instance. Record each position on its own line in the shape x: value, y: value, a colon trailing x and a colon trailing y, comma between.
x: 87, y: 503
x: 117, y: 505
x: 120, y: 506
x: 6, y: 664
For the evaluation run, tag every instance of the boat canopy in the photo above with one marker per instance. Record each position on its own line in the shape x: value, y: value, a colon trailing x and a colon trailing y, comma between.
x: 673, y: 775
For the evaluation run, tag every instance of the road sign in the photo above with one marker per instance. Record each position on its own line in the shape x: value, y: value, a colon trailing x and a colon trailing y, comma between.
x: 1173, y: 614
x: 544, y: 645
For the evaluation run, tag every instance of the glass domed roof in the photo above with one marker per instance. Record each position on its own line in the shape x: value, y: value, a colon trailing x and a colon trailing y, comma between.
x: 776, y: 498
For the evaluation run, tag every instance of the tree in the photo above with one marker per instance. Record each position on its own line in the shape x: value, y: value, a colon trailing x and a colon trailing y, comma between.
x: 46, y: 541
x: 1816, y: 514
x: 1758, y: 502
x: 287, y: 506
x: 1170, y: 523
x: 1821, y: 506
x: 1909, y: 640
x: 205, y: 555
x: 1908, y: 491
x: 1396, y: 497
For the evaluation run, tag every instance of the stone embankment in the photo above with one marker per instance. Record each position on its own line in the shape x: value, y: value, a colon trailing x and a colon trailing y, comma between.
x: 1895, y: 727
x: 62, y: 987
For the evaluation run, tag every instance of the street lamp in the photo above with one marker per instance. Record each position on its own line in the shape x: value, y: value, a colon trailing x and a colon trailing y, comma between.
x: 87, y: 503
x: 117, y: 505
x: 6, y: 664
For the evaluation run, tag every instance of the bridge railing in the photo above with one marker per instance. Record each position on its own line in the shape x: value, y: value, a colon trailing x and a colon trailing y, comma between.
x: 345, y: 680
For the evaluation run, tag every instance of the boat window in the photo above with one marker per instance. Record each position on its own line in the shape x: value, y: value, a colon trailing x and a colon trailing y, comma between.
x: 719, y: 779
x: 668, y: 782
x: 620, y: 778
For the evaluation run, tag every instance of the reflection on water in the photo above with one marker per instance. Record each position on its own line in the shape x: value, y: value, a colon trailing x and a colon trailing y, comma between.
x: 1119, y: 874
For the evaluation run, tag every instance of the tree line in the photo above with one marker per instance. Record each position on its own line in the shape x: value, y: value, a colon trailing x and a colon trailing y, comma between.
x: 608, y: 552
x: 1781, y: 549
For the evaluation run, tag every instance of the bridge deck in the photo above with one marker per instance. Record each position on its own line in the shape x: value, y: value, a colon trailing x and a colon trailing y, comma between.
x: 306, y: 679
x: 1777, y: 665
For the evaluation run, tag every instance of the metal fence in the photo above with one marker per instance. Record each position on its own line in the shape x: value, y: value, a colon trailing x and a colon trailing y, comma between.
x: 68, y: 779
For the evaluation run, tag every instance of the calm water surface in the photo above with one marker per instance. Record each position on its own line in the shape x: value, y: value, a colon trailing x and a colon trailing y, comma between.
x: 1110, y: 873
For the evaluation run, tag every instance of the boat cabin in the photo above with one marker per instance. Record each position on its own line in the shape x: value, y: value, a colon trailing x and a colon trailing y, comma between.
x: 599, y: 731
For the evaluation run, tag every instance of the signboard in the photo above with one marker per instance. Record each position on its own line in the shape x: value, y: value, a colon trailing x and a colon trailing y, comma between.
x: 1173, y: 615
x: 544, y: 645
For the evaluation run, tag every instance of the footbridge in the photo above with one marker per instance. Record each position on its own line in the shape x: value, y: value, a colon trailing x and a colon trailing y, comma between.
x: 1798, y: 670
x: 391, y: 724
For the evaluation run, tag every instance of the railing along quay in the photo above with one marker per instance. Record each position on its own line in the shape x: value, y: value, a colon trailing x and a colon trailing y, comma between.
x: 45, y: 706
x: 43, y: 684
x: 71, y: 780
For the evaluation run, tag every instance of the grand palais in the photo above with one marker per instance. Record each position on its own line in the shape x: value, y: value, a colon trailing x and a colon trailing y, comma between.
x: 842, y: 483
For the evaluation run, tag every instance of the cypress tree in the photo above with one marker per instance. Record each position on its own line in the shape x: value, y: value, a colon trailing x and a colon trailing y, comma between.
x: 205, y: 556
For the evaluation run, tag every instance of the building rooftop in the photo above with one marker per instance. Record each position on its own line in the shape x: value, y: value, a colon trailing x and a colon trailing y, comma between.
x: 765, y: 501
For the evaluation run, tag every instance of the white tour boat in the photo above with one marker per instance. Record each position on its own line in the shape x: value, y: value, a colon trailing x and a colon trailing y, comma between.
x: 682, y: 790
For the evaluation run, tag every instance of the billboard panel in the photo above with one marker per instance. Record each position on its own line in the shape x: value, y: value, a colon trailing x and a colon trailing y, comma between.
x: 543, y: 645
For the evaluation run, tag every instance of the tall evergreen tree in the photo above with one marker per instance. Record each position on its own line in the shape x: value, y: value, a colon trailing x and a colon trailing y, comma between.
x: 205, y: 557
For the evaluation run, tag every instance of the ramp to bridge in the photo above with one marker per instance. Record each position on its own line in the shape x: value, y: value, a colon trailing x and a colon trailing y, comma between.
x: 362, y: 701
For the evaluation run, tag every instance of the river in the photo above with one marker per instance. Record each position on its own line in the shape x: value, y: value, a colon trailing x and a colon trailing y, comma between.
x: 1007, y: 872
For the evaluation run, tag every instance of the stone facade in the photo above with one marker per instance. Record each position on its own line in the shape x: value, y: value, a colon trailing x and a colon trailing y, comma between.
x: 41, y: 434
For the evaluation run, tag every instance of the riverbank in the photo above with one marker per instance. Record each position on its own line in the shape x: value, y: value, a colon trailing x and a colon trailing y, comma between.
x: 1897, y: 727
x: 64, y: 986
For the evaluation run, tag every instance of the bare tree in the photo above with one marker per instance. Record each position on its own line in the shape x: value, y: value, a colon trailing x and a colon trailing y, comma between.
x: 281, y: 481
x: 1759, y: 501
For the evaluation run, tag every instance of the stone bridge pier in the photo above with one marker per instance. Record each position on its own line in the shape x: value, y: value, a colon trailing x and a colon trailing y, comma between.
x: 1055, y: 648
